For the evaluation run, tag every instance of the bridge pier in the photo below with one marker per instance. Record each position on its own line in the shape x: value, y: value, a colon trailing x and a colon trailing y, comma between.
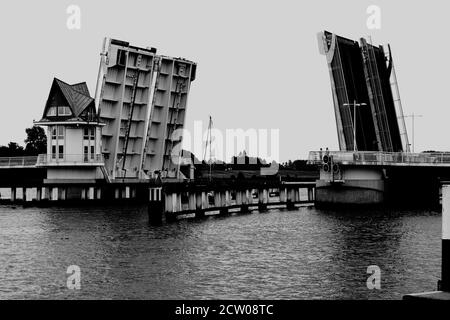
x: 262, y: 200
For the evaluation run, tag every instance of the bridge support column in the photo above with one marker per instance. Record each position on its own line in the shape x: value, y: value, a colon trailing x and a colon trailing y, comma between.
x: 45, y: 193
x: 54, y: 194
x: 98, y: 193
x: 13, y: 194
x: 91, y: 193
x: 24, y: 194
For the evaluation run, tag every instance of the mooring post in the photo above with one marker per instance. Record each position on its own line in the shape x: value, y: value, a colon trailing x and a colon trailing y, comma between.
x: 192, y: 202
x: 290, y: 198
x: 199, y: 213
x: 224, y: 196
x: 155, y: 205
x: 282, y: 192
x: 38, y: 193
x: 445, y: 281
x: 262, y: 204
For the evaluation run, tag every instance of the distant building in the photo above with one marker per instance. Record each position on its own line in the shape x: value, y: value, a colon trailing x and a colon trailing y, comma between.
x: 364, y: 73
x: 73, y: 135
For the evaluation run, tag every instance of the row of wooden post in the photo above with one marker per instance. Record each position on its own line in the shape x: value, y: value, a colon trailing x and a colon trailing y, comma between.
x: 198, y: 201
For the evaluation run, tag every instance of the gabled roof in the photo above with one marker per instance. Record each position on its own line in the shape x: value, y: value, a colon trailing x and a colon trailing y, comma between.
x: 77, y: 96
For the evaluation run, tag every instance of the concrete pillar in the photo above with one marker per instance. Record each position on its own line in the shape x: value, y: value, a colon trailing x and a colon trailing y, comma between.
x: 83, y: 194
x: 91, y: 193
x: 117, y: 193
x: 127, y: 192
x: 297, y: 194
x: 24, y: 194
x: 13, y: 194
x: 45, y: 193
x: 62, y: 195
x: 133, y: 193
x: 99, y: 194
x: 54, y: 194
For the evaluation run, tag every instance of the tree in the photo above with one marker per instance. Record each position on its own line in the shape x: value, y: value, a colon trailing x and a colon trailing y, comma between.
x: 36, y: 141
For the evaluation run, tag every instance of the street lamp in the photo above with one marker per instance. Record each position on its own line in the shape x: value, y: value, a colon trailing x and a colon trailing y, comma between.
x: 413, y: 116
x: 354, y: 104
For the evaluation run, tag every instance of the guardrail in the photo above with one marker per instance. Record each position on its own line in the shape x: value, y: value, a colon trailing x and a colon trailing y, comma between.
x: 381, y: 158
x: 11, y: 162
x: 69, y: 159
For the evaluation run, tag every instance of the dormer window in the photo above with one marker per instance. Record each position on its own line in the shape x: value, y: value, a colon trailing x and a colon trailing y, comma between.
x: 51, y: 112
x: 59, y: 111
x: 64, y: 111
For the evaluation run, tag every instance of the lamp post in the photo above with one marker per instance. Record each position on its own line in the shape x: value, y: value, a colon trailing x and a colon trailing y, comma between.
x: 413, y: 116
x: 354, y: 104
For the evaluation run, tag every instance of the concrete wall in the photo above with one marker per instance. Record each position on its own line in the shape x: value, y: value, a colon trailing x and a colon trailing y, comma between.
x: 72, y: 173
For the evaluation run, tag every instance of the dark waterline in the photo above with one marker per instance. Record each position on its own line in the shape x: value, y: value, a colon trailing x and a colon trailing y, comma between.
x: 302, y: 254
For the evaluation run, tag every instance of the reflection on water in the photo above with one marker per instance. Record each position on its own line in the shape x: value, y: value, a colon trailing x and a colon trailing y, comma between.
x: 307, y: 253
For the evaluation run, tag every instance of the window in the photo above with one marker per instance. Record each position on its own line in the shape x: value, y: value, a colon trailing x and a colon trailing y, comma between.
x: 64, y: 111
x: 92, y: 152
x: 61, y: 152
x: 60, y: 132
x: 51, y: 112
x: 53, y: 152
x: 54, y: 133
x: 92, y: 133
x: 86, y: 133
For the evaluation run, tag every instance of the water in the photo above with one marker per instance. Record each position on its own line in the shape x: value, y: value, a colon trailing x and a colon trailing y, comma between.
x: 301, y: 254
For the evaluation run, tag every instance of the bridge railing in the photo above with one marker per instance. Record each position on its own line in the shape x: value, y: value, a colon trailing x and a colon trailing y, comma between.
x: 380, y: 158
x: 8, y: 162
x: 69, y: 159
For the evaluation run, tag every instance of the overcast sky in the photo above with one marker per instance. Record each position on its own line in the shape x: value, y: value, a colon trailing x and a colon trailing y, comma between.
x: 258, y: 61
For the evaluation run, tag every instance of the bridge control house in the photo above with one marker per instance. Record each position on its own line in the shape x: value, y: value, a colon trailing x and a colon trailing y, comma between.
x: 73, y: 142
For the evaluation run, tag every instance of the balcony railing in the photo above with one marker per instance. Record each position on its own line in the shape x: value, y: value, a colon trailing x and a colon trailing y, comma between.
x: 11, y: 162
x: 382, y: 158
x: 69, y: 159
